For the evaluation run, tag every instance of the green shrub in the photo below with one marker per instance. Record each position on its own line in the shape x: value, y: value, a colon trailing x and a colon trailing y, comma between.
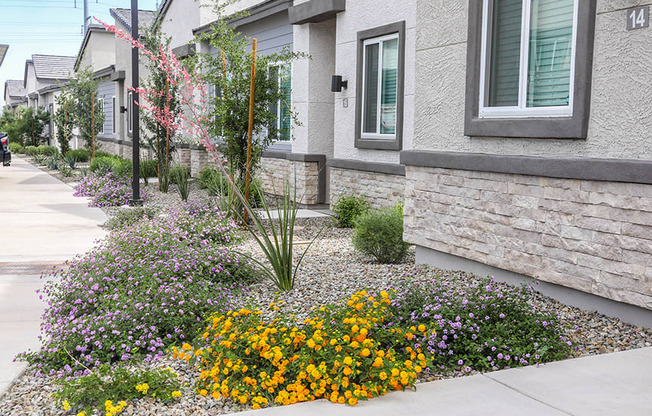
x: 16, y: 147
x: 65, y: 171
x: 348, y: 208
x: 177, y: 172
x: 31, y: 151
x: 379, y: 233
x: 102, y: 153
x: 52, y: 162
x: 214, y: 181
x: 148, y: 169
x: 70, y: 161
x: 47, y: 150
x: 40, y: 159
x: 82, y: 155
x: 115, y: 164
x: 180, y: 175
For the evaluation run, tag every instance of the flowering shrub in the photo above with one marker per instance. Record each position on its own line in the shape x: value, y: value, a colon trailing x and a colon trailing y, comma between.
x: 142, y: 289
x: 482, y: 327
x: 107, y: 188
x: 107, y: 384
x: 341, y: 353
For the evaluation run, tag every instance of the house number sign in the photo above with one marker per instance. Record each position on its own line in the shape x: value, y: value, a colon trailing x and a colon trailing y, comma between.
x: 638, y: 17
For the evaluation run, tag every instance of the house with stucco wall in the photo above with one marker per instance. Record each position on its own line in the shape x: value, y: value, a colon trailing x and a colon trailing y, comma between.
x: 531, y: 155
x: 15, y: 95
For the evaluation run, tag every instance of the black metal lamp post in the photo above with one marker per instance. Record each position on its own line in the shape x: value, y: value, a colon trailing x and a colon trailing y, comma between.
x: 135, y: 136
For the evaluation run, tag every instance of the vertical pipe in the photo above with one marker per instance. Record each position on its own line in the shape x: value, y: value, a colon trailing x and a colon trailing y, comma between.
x: 85, y: 17
x: 252, y: 89
x: 135, y: 135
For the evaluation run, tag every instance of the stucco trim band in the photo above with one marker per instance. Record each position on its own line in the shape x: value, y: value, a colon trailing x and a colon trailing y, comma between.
x: 388, y: 168
x: 315, y: 11
x: 306, y: 157
x: 612, y: 170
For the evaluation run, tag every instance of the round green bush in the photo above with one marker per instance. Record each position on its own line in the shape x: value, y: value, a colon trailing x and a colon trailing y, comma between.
x: 82, y: 155
x: 115, y: 164
x: 31, y: 150
x: 47, y: 150
x: 348, y: 208
x: 16, y: 148
x: 148, y: 168
x: 379, y: 233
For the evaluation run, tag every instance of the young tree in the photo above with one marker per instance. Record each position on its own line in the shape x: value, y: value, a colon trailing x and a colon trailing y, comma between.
x: 32, y: 122
x: 165, y: 103
x: 87, y: 115
x: 229, y: 72
x: 63, y: 120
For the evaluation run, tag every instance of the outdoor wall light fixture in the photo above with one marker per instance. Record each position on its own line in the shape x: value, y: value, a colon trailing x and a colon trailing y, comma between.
x: 123, y: 109
x: 337, y: 84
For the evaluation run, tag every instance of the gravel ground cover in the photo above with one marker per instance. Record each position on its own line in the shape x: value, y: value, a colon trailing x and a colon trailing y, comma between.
x: 331, y: 271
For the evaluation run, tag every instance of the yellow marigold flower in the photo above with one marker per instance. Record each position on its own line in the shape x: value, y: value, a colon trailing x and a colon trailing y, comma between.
x: 355, y: 328
x: 422, y: 328
x: 378, y: 362
x: 348, y: 394
x: 383, y: 376
x: 66, y: 405
x: 417, y: 368
x: 365, y: 352
x: 347, y: 370
x: 341, y: 400
x: 395, y: 372
x: 348, y: 360
x: 176, y: 394
x: 186, y: 346
x: 310, y: 343
x: 82, y: 413
x: 203, y: 392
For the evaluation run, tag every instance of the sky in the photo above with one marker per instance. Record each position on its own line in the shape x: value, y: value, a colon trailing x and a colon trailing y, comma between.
x: 48, y: 27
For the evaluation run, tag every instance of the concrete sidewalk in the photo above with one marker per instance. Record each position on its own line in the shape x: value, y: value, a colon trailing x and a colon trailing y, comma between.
x: 618, y: 384
x: 43, y: 225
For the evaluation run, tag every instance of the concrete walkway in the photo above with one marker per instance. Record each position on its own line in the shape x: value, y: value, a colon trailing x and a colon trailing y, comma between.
x: 42, y: 225
x: 618, y: 384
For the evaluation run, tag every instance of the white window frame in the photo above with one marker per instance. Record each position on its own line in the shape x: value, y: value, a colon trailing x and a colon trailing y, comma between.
x: 379, y: 40
x: 521, y: 110
x: 100, y: 102
x: 279, y: 103
x: 130, y: 112
x: 114, y: 115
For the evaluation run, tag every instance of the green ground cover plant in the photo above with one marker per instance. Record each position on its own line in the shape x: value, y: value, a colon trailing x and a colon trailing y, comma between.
x: 82, y: 155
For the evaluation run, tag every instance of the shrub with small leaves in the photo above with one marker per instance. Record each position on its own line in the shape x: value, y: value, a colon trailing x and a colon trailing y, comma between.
x: 15, y: 147
x: 128, y: 216
x: 341, y: 353
x: 31, y: 151
x: 82, y: 155
x: 379, y: 233
x: 106, y: 385
x: 48, y: 150
x: 348, y: 208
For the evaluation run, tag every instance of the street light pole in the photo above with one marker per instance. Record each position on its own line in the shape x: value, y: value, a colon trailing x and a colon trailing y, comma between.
x: 135, y: 136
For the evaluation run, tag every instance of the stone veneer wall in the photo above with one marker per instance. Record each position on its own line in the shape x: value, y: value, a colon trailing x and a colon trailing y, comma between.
x: 199, y: 158
x: 593, y: 236
x: 274, y: 171
x: 380, y: 189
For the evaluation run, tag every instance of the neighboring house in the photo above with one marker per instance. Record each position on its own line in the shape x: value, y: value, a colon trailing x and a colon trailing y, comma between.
x: 268, y: 22
x: 15, y: 95
x: 44, y: 76
x: 532, y: 148
x: 97, y: 53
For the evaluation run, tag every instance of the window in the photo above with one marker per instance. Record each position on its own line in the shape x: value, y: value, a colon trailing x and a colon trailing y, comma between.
x: 379, y: 109
x: 282, y: 108
x: 100, y: 105
x: 529, y: 68
x: 130, y: 110
x: 113, y: 115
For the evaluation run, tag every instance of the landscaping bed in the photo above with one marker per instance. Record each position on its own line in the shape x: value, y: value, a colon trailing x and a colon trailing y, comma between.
x: 331, y: 272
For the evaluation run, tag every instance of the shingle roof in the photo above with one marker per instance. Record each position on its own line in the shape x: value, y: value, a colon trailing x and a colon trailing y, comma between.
x: 15, y: 88
x: 53, y: 66
x: 145, y: 17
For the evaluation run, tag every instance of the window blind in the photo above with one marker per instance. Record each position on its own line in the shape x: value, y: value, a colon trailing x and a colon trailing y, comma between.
x: 505, y: 53
x: 551, y: 39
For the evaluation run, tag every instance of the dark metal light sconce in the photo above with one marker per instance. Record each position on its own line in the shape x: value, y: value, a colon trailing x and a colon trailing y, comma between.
x: 337, y: 84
